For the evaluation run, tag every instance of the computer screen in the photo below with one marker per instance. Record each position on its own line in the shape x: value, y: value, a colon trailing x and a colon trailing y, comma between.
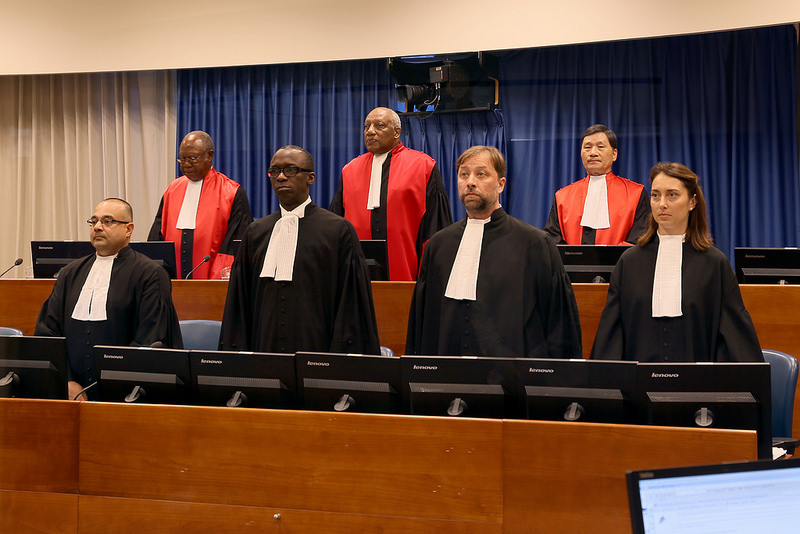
x: 348, y: 382
x: 33, y: 367
x: 590, y: 263
x: 244, y: 379
x: 459, y: 386
x: 708, y: 395
x: 143, y: 375
x: 594, y: 391
x: 737, y: 498
x: 376, y: 254
x: 767, y: 265
x: 50, y: 256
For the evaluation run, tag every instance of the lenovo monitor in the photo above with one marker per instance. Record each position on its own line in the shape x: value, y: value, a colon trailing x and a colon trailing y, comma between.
x: 33, y: 367
x: 590, y: 263
x: 459, y: 386
x: 708, y: 395
x: 767, y: 265
x: 244, y: 379
x: 49, y: 257
x: 595, y: 391
x: 348, y: 382
x: 736, y: 498
x: 143, y: 375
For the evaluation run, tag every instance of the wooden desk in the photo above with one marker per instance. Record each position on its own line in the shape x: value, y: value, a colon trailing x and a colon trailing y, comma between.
x: 38, y: 466
x: 93, y: 468
x: 774, y: 310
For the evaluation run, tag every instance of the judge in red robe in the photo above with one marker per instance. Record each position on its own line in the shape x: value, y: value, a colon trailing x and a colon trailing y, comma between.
x: 393, y: 193
x: 202, y: 212
x: 602, y: 208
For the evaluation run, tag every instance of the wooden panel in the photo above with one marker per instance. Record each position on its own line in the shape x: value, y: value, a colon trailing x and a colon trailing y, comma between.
x: 392, y: 303
x: 570, y: 477
x: 39, y: 445
x: 351, y: 463
x: 199, y: 299
x: 591, y: 299
x: 38, y: 513
x: 20, y: 302
x: 100, y: 515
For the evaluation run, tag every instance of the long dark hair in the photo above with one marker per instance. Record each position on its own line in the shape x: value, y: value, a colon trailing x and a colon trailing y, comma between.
x: 697, y: 232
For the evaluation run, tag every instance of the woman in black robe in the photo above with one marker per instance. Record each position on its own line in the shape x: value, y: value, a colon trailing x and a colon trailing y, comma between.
x: 674, y: 297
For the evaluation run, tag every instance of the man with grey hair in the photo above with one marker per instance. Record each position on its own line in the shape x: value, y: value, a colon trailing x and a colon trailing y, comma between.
x: 393, y: 193
x: 492, y: 285
x: 203, y: 212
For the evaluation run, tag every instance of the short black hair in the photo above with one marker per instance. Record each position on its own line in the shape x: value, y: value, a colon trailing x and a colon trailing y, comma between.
x: 601, y: 128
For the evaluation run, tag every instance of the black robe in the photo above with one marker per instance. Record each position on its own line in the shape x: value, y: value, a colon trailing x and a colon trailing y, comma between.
x: 139, y: 310
x: 525, y: 306
x: 714, y: 327
x: 327, y: 307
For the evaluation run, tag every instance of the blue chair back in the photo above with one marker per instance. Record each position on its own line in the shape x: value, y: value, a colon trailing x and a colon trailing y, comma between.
x: 9, y: 331
x: 200, y: 334
x: 783, y: 373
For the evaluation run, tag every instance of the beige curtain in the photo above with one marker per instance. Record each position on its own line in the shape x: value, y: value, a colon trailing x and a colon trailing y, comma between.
x: 71, y: 140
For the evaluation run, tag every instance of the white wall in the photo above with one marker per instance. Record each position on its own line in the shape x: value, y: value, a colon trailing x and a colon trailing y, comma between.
x: 48, y: 36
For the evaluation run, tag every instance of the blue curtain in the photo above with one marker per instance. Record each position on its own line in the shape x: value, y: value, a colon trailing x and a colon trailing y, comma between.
x: 725, y: 104
x: 250, y: 112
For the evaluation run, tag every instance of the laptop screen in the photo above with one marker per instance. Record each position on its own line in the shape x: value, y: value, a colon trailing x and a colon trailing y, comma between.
x: 732, y: 498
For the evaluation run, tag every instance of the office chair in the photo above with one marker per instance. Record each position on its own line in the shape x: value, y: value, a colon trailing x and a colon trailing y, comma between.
x: 200, y: 334
x: 783, y: 375
x: 9, y: 331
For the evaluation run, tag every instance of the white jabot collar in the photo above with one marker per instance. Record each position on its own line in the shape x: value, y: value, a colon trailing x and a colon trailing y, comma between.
x: 595, y: 207
x: 91, y: 304
x: 282, y: 247
x: 667, y: 277
x: 374, y: 198
x: 188, y: 214
x: 463, y: 281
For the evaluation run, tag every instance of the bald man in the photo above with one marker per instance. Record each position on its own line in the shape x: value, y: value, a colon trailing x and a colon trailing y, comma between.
x: 393, y: 193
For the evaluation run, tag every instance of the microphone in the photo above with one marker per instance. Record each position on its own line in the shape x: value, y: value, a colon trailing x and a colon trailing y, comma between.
x: 18, y: 262
x: 205, y: 259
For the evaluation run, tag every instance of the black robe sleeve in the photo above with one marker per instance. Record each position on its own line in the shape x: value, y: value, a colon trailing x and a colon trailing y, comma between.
x: 237, y: 316
x: 355, y: 329
x: 337, y: 204
x: 737, y: 340
x: 609, y: 341
x: 641, y: 218
x: 437, y: 209
x: 155, y: 230
x: 552, y: 227
x: 240, y: 218
x: 561, y: 320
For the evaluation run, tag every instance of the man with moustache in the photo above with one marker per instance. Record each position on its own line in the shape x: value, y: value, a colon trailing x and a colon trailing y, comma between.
x: 300, y: 281
x: 203, y: 212
x: 393, y: 193
x: 113, y: 297
x: 602, y: 208
x: 492, y: 285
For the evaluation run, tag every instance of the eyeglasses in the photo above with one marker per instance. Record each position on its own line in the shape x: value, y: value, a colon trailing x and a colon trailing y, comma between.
x: 191, y: 159
x: 274, y: 172
x: 105, y: 221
